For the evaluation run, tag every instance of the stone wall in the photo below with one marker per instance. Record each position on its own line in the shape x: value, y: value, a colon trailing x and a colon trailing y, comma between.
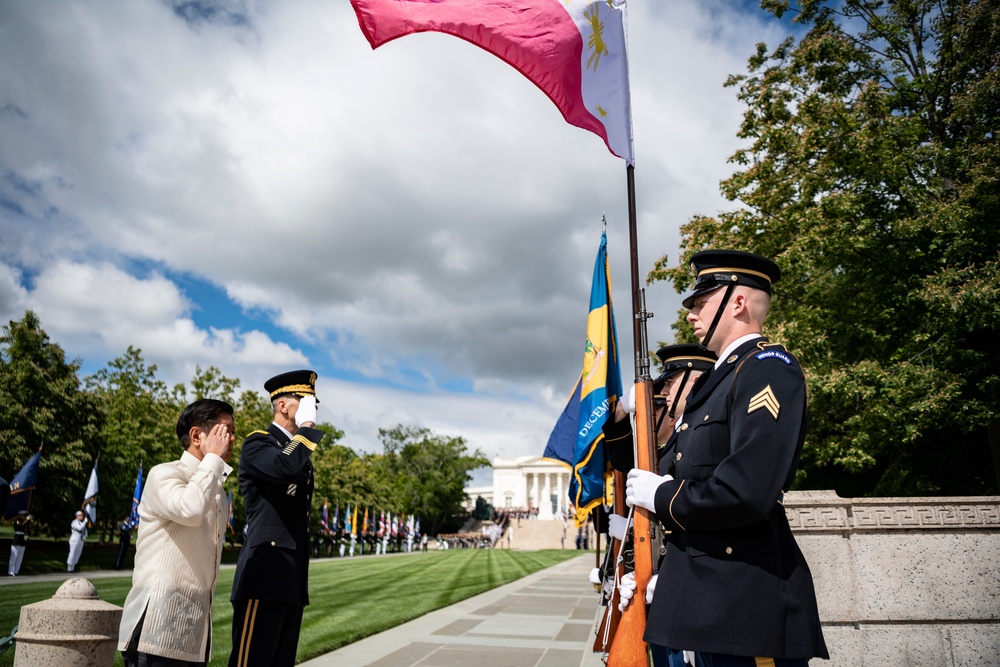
x: 903, y: 581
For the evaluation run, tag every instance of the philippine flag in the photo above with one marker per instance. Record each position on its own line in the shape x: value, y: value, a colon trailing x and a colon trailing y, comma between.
x: 574, y: 50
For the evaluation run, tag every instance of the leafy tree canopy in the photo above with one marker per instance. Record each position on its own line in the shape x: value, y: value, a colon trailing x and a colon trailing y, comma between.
x: 127, y: 416
x: 43, y: 405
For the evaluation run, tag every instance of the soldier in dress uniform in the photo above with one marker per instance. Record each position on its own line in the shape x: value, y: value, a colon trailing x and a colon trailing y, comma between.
x: 682, y: 366
x: 736, y: 587
x: 270, y: 587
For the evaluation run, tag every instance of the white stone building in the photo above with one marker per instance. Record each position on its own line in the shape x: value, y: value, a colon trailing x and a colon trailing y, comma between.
x: 526, y: 482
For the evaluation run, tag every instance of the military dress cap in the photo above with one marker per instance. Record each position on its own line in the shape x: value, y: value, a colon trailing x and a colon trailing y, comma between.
x: 717, y: 268
x: 678, y: 358
x: 297, y: 383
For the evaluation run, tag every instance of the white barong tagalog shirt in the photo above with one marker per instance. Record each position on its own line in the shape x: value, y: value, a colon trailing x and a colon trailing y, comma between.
x: 183, y: 516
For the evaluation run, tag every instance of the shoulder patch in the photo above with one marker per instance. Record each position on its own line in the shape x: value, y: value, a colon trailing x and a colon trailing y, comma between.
x: 774, y: 354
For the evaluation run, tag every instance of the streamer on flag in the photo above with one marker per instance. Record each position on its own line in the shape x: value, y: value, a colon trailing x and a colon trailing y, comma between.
x: 575, y: 51
x: 90, y: 497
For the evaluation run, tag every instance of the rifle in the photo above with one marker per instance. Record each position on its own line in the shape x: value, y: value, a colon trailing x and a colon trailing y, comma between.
x: 628, y: 648
x: 608, y: 626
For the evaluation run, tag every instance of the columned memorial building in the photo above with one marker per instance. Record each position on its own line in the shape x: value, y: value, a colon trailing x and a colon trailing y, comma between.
x: 526, y: 482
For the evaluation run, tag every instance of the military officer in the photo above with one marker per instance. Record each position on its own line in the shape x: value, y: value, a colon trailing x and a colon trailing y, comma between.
x: 270, y: 587
x: 736, y: 587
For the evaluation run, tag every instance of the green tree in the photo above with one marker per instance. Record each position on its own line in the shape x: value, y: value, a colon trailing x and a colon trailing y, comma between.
x: 43, y: 405
x: 139, y: 427
x: 870, y: 174
x: 430, y: 472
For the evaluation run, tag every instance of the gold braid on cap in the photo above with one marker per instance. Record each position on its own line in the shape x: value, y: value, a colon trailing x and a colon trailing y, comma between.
x: 731, y: 269
x: 293, y: 388
x: 670, y: 360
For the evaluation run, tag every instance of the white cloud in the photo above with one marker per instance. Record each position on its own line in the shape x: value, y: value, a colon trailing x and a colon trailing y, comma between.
x: 101, y: 310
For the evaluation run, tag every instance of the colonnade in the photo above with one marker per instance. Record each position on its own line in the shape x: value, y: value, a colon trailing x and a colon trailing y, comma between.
x: 541, y: 486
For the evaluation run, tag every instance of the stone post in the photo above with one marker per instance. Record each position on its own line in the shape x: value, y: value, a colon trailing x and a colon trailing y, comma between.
x: 74, y: 628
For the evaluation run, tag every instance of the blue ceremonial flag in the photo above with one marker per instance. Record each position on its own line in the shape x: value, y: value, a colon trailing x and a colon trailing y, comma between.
x: 21, y: 487
x: 133, y: 517
x: 600, y: 386
x: 562, y: 440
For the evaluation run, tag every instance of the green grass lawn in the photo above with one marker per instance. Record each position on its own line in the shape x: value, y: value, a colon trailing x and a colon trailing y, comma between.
x: 350, y: 598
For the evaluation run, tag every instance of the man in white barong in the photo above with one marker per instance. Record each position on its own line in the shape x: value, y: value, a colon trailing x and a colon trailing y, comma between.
x: 167, y: 618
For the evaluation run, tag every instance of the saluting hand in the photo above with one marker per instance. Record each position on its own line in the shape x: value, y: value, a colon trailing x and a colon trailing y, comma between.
x: 306, y: 412
x: 219, y: 441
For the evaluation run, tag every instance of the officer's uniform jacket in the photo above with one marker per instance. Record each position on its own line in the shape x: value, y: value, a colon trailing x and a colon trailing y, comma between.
x: 276, y: 479
x: 733, y: 580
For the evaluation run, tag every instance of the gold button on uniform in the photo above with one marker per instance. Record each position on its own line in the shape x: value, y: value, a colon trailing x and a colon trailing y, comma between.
x: 706, y: 418
x: 729, y: 551
x: 679, y: 455
x: 684, y: 426
x: 272, y: 544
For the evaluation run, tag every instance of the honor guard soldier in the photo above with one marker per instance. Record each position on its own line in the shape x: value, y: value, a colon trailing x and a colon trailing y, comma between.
x: 682, y: 366
x: 736, y: 587
x: 270, y: 587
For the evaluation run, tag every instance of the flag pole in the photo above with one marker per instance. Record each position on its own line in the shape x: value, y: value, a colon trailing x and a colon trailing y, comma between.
x: 628, y: 648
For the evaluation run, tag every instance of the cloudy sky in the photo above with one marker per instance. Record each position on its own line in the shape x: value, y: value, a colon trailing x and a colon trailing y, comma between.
x: 248, y: 185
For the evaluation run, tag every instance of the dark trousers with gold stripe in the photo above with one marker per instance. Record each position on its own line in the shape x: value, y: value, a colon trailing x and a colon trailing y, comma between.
x: 265, y: 633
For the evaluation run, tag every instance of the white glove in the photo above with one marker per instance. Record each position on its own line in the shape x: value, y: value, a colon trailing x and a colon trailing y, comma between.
x: 688, y: 658
x: 306, y: 411
x: 650, y: 587
x: 628, y: 400
x: 595, y: 576
x: 608, y: 588
x: 626, y: 589
x: 640, y: 489
x: 617, y: 527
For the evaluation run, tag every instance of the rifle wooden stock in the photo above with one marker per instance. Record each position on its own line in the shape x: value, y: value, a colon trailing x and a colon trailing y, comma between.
x: 628, y: 648
x: 611, y: 614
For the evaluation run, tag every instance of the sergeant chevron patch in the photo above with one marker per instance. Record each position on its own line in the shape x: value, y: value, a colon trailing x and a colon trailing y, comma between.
x: 765, y: 399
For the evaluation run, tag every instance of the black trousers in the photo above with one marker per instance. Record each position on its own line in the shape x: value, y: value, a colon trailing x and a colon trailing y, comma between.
x: 133, y: 658
x: 265, y: 633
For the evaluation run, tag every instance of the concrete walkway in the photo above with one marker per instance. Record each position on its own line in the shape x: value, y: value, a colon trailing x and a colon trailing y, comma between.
x: 543, y: 620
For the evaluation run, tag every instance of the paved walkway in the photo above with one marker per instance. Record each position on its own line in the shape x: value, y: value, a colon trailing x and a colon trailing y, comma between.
x: 543, y: 620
